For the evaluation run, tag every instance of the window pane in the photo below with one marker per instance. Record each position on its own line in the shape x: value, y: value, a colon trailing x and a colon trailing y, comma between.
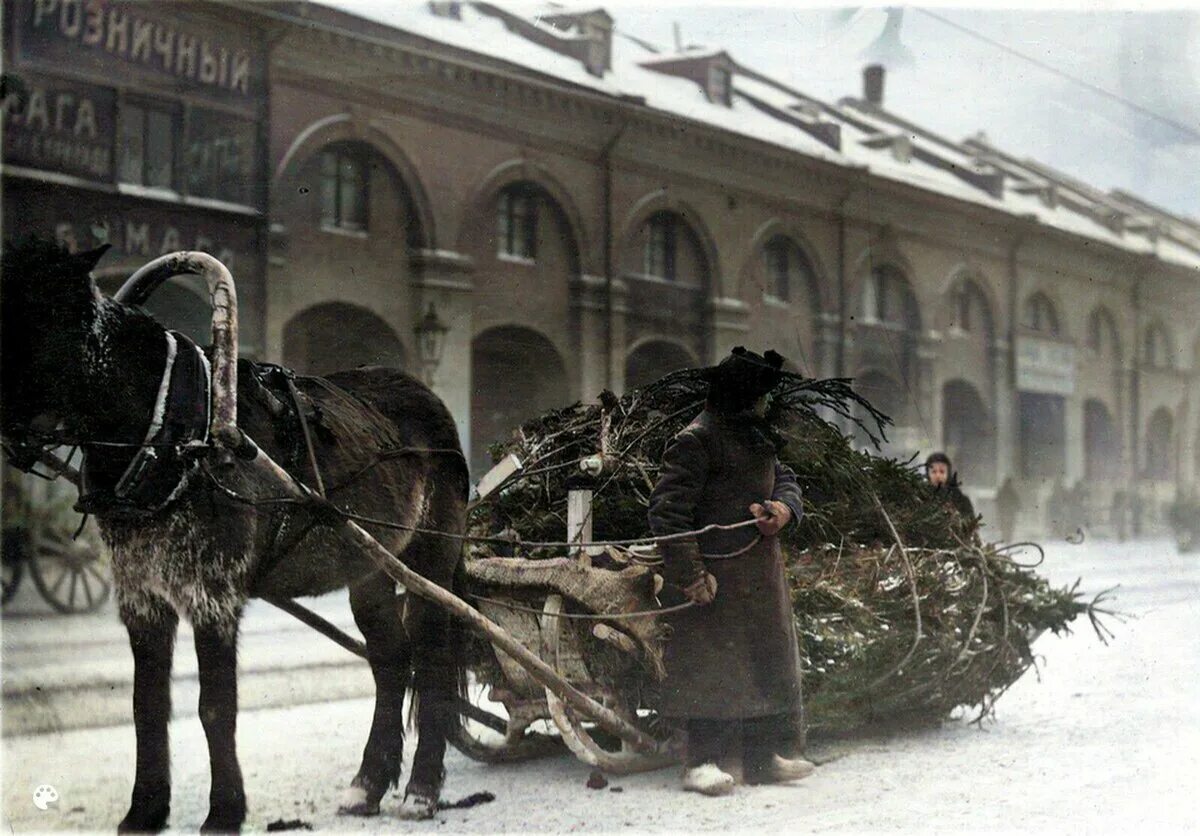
x: 353, y: 194
x: 329, y: 212
x: 524, y: 220
x: 778, y: 270
x: 656, y: 249
x: 668, y: 226
x: 133, y: 130
x: 504, y: 224
x: 160, y: 148
x: 221, y: 152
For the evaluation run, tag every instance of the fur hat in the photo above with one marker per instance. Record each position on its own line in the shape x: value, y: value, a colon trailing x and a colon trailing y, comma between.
x: 742, y: 378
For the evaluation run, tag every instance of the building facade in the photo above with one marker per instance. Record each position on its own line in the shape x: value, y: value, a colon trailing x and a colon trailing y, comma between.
x: 143, y: 128
x: 575, y: 236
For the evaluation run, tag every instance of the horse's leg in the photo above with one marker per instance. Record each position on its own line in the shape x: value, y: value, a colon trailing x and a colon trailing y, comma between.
x: 377, y: 615
x: 216, y: 655
x: 436, y: 669
x: 435, y: 683
x: 151, y: 623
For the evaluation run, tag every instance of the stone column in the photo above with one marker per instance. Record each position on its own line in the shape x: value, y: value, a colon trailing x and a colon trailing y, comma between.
x: 445, y: 280
x: 1124, y: 381
x: 1073, y: 460
x: 1004, y: 400
x: 928, y: 395
x: 729, y: 326
x: 827, y: 336
x: 588, y: 318
x: 617, y: 326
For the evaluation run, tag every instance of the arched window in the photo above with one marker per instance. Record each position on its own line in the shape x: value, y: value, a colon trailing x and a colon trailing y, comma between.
x: 1156, y: 347
x: 1039, y: 315
x: 516, y: 222
x: 788, y: 270
x: 344, y: 179
x: 1102, y: 338
x: 661, y: 240
x: 886, y: 298
x: 970, y: 311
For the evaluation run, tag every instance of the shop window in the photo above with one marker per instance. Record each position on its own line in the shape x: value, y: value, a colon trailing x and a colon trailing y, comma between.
x: 516, y: 223
x: 147, y: 147
x: 220, y: 157
x: 660, y: 247
x: 344, y: 189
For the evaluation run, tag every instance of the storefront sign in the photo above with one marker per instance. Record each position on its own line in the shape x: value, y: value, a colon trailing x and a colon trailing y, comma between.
x: 58, y: 125
x: 113, y: 39
x: 137, y: 230
x: 1045, y: 366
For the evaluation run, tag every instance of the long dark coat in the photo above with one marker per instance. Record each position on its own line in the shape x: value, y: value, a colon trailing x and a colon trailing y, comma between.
x: 738, y: 656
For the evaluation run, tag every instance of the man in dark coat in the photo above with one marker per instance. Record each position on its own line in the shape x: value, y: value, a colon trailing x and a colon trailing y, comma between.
x: 946, y: 488
x: 733, y: 661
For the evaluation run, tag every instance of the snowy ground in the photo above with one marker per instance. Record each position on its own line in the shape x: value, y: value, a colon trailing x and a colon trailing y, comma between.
x: 1108, y: 740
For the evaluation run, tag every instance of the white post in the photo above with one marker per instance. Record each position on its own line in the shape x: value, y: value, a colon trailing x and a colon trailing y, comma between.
x: 579, y: 521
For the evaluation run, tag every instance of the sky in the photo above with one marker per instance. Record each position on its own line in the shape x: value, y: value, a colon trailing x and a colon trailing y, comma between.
x: 1128, y: 117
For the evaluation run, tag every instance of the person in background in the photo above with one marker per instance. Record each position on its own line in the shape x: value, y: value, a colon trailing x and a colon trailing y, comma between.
x: 946, y: 488
x: 733, y: 660
x: 1008, y: 506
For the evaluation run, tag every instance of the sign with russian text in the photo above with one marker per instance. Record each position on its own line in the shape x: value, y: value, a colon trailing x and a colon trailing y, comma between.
x: 1045, y: 366
x: 159, y: 41
x: 58, y: 125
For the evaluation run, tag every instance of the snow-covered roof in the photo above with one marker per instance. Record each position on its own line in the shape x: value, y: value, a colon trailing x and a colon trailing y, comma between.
x: 768, y: 110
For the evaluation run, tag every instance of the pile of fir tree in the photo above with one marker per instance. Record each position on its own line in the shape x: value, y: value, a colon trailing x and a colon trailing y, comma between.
x: 904, y: 613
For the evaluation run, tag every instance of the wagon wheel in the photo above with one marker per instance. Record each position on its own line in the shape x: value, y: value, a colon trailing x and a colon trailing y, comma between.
x: 621, y: 761
x: 485, y: 736
x: 67, y: 572
x: 14, y: 548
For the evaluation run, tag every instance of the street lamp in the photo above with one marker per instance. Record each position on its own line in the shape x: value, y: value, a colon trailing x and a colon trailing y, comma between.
x: 431, y: 341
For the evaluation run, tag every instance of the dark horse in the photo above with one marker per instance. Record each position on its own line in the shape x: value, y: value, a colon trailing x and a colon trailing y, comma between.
x: 79, y: 367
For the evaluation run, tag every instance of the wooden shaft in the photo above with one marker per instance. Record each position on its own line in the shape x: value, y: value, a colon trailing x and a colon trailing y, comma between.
x: 319, y: 624
x: 542, y: 673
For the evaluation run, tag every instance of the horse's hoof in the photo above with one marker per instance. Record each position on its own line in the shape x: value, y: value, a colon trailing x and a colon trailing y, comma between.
x: 356, y: 803
x: 418, y: 805
x: 137, y: 822
x: 225, y: 819
x: 147, y: 814
x: 221, y: 824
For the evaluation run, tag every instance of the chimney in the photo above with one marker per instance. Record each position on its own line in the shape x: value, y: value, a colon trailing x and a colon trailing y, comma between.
x: 873, y: 84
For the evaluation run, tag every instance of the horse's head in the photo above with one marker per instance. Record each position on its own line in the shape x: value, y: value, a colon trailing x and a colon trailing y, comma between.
x: 48, y: 307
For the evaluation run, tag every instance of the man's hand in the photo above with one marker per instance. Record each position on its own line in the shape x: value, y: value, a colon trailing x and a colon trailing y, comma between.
x: 703, y: 590
x: 772, y: 516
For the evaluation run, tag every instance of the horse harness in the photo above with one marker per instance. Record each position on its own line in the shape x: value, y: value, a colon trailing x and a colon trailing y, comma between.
x: 121, y: 481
